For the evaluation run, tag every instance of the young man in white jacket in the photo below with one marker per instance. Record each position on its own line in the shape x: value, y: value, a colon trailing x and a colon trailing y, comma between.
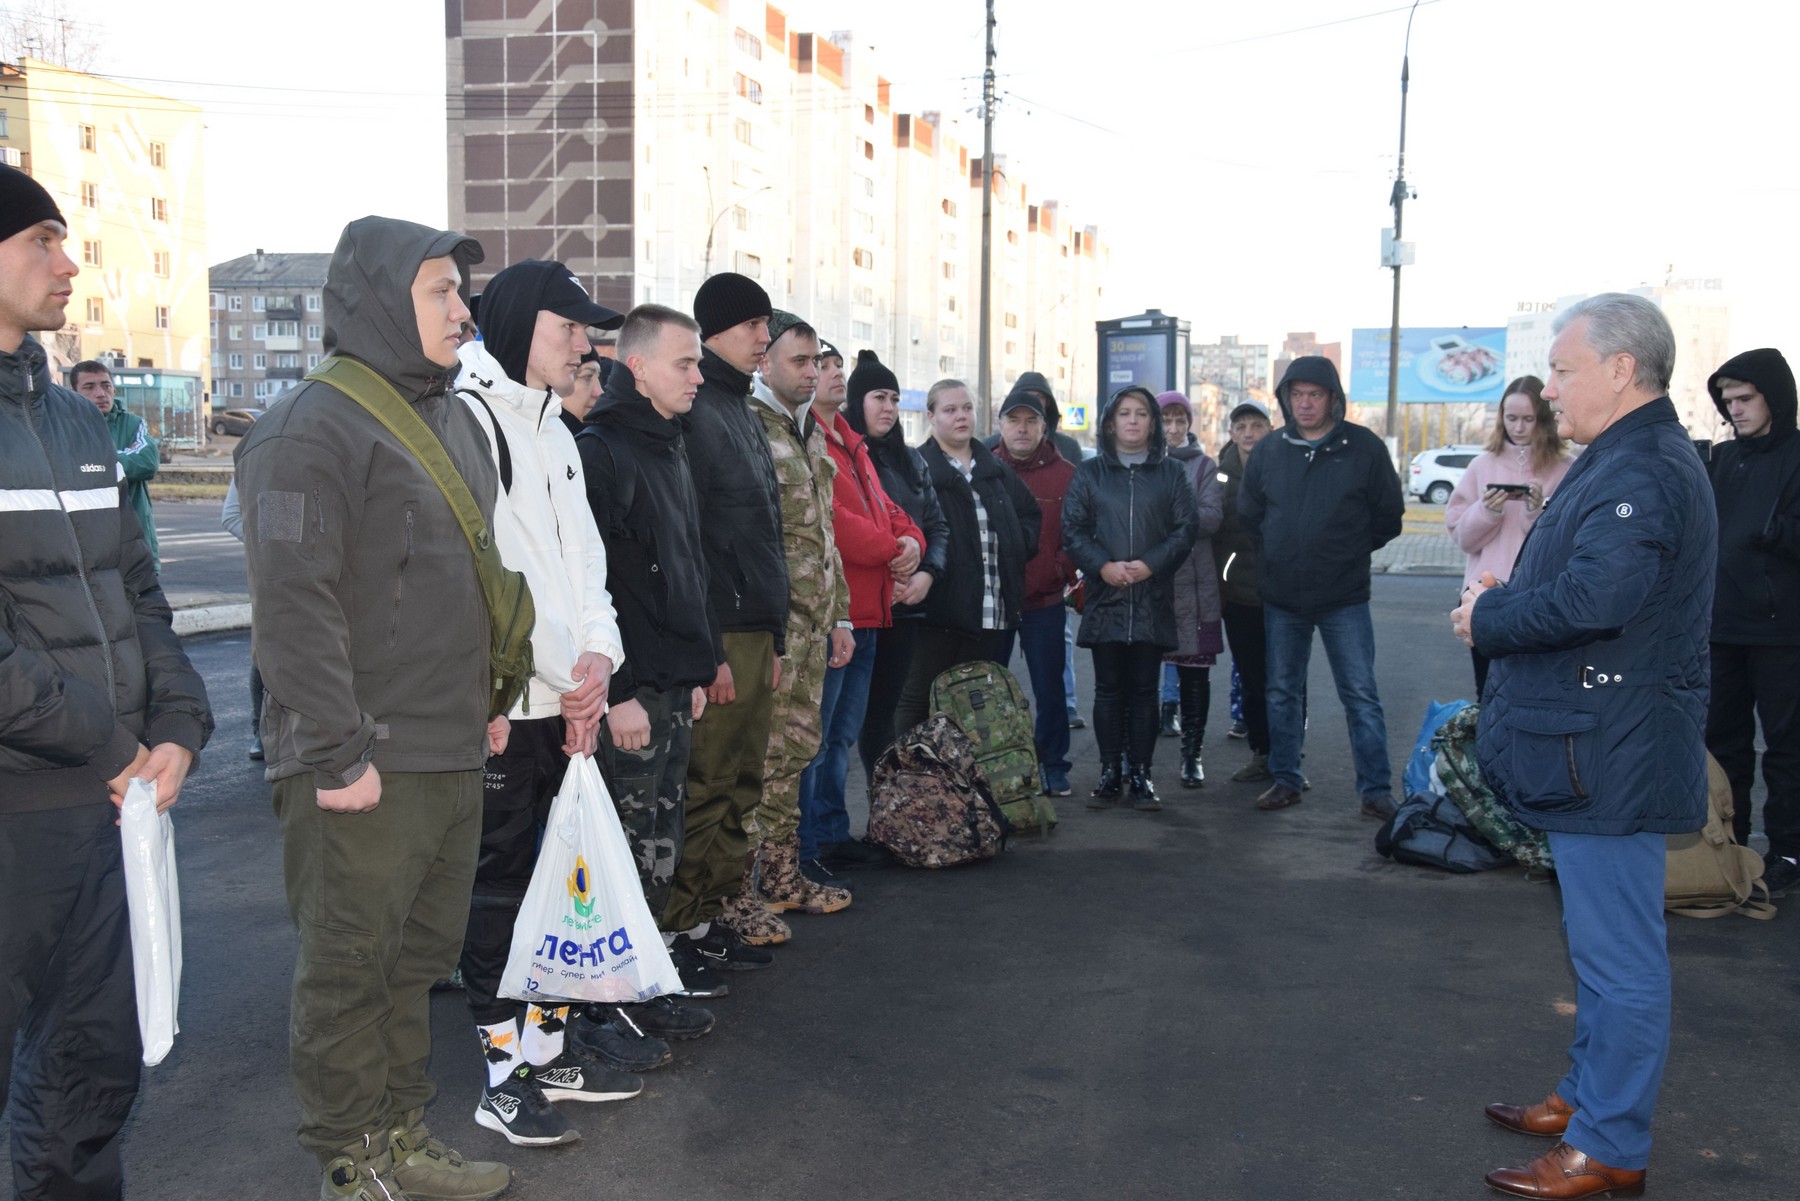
x: 534, y: 317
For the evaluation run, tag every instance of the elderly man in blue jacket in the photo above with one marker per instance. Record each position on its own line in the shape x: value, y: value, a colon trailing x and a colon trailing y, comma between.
x: 1594, y: 725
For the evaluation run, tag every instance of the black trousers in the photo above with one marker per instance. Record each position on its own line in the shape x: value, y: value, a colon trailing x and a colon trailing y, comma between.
x: 893, y: 659
x: 517, y: 787
x: 1250, y: 651
x: 1127, y: 684
x: 1751, y: 684
x: 935, y: 651
x: 69, y: 999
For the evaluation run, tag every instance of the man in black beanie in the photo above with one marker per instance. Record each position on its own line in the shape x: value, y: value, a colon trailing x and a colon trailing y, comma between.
x: 85, y: 707
x: 739, y: 502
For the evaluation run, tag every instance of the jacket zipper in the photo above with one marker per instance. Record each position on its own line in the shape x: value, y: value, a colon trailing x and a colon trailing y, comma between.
x: 1574, y: 775
x: 87, y: 590
x: 400, y: 582
x: 1131, y: 545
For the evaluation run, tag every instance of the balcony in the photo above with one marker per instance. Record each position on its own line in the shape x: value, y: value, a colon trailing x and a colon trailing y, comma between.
x: 287, y: 310
x: 283, y: 342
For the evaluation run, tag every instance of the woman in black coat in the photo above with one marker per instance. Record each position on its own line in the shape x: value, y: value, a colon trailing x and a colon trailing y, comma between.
x: 1129, y: 521
x: 872, y: 407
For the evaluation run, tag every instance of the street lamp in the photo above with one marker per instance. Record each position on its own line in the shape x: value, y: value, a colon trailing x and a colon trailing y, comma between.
x: 712, y: 231
x: 1397, y: 255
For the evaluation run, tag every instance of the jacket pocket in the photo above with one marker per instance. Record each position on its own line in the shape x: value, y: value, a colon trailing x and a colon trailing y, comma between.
x: 406, y: 554
x: 1554, y: 755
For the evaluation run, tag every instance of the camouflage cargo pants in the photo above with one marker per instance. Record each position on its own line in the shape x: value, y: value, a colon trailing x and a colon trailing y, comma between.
x: 649, y: 788
x: 794, y: 728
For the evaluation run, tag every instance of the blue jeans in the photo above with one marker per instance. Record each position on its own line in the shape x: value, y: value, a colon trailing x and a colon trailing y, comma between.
x: 1041, y: 637
x: 1070, y: 622
x: 1612, y: 895
x: 1349, y: 636
x: 1171, y: 685
x: 823, y: 817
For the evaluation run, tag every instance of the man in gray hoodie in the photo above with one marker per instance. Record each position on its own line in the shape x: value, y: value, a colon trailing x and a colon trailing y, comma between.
x: 372, y: 636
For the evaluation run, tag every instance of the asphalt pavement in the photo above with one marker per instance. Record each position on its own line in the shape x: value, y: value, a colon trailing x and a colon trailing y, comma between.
x: 1209, y: 1002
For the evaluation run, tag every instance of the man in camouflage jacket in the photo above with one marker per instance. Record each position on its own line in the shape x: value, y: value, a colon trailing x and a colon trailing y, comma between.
x: 818, y: 629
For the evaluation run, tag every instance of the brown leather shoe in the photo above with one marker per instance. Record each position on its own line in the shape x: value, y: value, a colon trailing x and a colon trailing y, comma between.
x: 1278, y: 796
x: 1564, y: 1173
x: 1547, y: 1119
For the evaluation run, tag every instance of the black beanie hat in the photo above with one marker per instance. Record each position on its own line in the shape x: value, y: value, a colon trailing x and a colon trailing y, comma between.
x: 729, y: 299
x: 871, y: 375
x: 24, y: 203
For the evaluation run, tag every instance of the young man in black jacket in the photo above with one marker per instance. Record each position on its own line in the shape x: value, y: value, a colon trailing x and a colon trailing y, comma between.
x: 1756, y: 606
x: 94, y: 691
x: 739, y: 503
x: 993, y: 523
x: 1320, y: 496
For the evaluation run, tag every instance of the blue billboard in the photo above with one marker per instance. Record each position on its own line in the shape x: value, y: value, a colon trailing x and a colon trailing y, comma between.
x: 1437, y: 366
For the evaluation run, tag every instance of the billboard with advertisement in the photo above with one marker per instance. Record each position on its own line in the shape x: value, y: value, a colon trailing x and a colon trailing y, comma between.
x: 1137, y: 358
x: 1437, y: 365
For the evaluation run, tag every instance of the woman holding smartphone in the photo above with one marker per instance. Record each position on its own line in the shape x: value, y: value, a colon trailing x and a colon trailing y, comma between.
x: 1504, y: 489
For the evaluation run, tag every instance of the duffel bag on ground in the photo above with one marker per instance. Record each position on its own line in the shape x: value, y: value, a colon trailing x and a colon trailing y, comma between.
x: 1430, y: 831
x: 1460, y: 775
x: 928, y: 803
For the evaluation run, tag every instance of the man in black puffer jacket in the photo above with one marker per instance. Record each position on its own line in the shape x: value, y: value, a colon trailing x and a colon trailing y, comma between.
x: 94, y: 690
x: 747, y: 587
x: 1320, y: 496
x: 1756, y: 608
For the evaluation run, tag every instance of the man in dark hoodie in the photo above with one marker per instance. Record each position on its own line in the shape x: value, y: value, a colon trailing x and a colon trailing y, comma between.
x: 1756, y: 605
x: 1320, y: 497
x: 372, y: 635
x: 739, y: 502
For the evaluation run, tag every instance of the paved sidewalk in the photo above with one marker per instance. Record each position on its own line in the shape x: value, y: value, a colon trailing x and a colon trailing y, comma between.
x: 1420, y: 554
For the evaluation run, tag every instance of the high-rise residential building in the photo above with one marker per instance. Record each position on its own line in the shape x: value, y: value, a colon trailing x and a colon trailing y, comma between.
x: 1699, y: 313
x: 267, y: 325
x: 1299, y: 345
x: 1239, y: 369
x: 124, y: 166
x: 647, y: 146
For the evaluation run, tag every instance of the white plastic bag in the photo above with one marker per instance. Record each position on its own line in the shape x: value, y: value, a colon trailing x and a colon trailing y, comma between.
x: 584, y: 931
x: 154, y: 899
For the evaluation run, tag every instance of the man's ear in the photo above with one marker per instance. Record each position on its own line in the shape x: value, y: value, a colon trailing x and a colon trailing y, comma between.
x: 1624, y: 370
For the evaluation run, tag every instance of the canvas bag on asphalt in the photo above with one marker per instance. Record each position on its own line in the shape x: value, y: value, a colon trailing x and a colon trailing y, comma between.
x: 1709, y: 874
x: 584, y: 931
x: 928, y: 803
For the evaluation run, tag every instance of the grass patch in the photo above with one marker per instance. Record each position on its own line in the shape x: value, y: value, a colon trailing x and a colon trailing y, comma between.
x: 188, y: 492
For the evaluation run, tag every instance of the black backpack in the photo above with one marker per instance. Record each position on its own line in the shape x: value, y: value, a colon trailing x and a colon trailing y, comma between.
x: 1430, y: 831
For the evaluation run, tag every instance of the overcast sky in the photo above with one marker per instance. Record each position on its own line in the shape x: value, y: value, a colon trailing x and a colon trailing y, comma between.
x: 1237, y: 162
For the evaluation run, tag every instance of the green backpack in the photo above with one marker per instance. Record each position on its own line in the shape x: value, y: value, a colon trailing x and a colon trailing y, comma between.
x: 988, y: 706
x: 511, y: 613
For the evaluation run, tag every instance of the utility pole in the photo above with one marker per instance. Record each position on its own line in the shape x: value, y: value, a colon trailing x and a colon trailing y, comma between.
x: 984, y: 386
x: 1398, y: 200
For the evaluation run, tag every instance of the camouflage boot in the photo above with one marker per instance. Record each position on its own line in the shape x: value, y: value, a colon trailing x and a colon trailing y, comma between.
x: 784, y: 888
x: 429, y: 1171
x: 749, y: 918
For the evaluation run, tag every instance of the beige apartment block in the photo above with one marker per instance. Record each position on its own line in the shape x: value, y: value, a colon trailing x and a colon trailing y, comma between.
x: 125, y: 167
x: 648, y: 145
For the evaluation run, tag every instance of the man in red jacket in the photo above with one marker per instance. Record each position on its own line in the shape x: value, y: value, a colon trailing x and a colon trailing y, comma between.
x: 880, y: 546
x: 1026, y: 448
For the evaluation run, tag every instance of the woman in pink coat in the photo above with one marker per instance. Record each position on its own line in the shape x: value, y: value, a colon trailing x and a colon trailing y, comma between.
x: 1504, y: 489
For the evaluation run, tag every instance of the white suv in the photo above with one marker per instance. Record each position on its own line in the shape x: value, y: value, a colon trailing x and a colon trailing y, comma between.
x: 1436, y: 472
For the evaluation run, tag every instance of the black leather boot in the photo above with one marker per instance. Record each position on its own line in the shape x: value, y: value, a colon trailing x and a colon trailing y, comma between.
x: 1194, y: 696
x: 1143, y: 793
x: 1171, y: 719
x: 1106, y: 792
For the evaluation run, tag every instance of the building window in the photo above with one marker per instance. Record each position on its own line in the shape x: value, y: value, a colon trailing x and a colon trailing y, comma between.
x: 162, y: 316
x: 1012, y: 348
x: 748, y: 43
x: 90, y: 254
x: 865, y: 222
x: 237, y: 362
x: 743, y: 132
x: 284, y: 329
x: 950, y: 273
x: 259, y: 362
x: 259, y: 304
x: 950, y: 303
x: 947, y: 333
x: 866, y: 184
x: 215, y: 301
x: 235, y: 304
x: 740, y: 217
x: 159, y: 155
x: 87, y: 136
x: 949, y: 208
x: 863, y: 259
x: 312, y: 360
x: 749, y: 264
x: 287, y: 360
x: 861, y: 331
x: 746, y: 87
x: 869, y: 152
x: 237, y: 333
x: 237, y: 390
x: 96, y: 310
x: 312, y: 303
x: 159, y: 263
x: 312, y: 333
x: 1012, y: 321
x: 212, y: 330
x: 259, y: 332
x: 159, y: 209
x: 946, y: 365
x: 862, y: 294
x: 90, y: 195
x: 3, y: 133
x: 868, y: 114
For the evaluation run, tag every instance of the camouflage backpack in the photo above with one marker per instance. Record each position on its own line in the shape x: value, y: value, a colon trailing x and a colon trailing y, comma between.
x: 928, y: 803
x: 1461, y: 777
x: 988, y: 706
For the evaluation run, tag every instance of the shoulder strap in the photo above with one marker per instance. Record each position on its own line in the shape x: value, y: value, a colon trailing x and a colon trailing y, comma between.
x: 387, y: 406
x: 505, y: 452
x: 625, y: 472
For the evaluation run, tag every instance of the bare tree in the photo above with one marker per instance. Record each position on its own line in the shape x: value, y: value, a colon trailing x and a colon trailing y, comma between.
x: 49, y: 30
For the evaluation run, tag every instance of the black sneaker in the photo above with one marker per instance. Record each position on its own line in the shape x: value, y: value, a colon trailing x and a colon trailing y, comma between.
x: 574, y: 1076
x: 609, y: 1035
x: 1781, y: 875
x: 816, y: 871
x: 724, y: 950
x: 698, y: 979
x: 519, y: 1111
x: 661, y: 1017
x: 853, y: 853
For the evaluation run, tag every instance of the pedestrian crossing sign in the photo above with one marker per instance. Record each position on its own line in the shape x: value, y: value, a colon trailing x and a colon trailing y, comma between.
x: 1075, y: 417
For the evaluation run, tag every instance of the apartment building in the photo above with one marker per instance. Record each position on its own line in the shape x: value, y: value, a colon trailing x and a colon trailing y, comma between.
x: 125, y: 167
x: 648, y: 146
x: 267, y: 325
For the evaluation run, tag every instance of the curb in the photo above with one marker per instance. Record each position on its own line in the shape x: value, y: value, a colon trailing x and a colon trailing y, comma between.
x: 209, y: 619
